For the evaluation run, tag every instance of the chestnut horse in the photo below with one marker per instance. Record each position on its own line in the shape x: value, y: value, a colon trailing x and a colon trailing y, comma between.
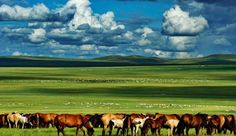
x: 153, y: 124
x: 188, y: 121
x: 215, y: 122
x: 172, y: 121
x: 42, y: 119
x: 73, y: 120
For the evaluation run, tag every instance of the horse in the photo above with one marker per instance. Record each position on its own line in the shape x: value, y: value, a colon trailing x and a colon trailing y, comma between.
x: 70, y: 120
x: 215, y: 122
x: 3, y: 120
x: 188, y: 121
x: 153, y: 124
x: 138, y: 123
x: 14, y: 118
x: 42, y: 119
x: 104, y: 120
x: 117, y: 123
x: 172, y: 121
x: 230, y: 124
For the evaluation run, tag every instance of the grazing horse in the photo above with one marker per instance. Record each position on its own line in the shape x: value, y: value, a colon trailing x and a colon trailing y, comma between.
x: 14, y: 118
x: 3, y: 120
x: 153, y: 124
x: 96, y: 120
x: 230, y: 124
x: 188, y: 121
x: 106, y: 118
x: 128, y: 122
x: 70, y: 120
x: 117, y: 123
x: 172, y: 121
x: 138, y: 123
x: 215, y: 122
x: 42, y: 119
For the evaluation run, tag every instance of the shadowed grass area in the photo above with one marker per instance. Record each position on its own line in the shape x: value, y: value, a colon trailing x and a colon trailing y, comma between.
x: 168, y: 89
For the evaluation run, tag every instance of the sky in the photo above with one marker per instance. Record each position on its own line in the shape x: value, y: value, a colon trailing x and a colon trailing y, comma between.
x: 96, y: 28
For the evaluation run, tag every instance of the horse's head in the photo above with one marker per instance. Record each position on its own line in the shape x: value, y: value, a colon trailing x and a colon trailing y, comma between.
x: 90, y: 131
x: 96, y: 120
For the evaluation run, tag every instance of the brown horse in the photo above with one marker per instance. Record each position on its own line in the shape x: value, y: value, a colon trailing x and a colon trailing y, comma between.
x: 42, y: 119
x: 215, y: 122
x: 72, y: 120
x: 230, y: 124
x: 172, y: 121
x: 105, y: 119
x: 3, y: 120
x: 153, y: 124
x: 188, y: 121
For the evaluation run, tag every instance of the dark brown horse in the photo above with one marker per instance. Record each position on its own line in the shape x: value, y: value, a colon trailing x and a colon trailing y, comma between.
x: 72, y: 120
x: 3, y: 120
x: 230, y: 124
x: 153, y: 124
x: 215, y: 122
x: 187, y: 121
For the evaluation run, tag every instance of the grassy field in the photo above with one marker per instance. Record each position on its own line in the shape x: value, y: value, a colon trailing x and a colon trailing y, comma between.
x: 165, y: 89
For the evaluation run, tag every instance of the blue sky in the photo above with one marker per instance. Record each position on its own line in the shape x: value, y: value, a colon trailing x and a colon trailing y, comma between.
x: 95, y: 28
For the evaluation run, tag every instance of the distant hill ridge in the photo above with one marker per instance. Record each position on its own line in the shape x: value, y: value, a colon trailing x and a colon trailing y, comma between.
x: 28, y: 61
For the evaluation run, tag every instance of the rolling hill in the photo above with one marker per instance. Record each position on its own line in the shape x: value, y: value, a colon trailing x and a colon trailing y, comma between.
x: 27, y: 61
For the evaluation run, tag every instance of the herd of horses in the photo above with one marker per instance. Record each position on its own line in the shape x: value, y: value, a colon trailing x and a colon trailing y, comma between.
x: 126, y: 124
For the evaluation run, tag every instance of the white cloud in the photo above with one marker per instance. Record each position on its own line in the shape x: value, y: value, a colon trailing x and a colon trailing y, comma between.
x: 37, y: 12
x: 18, y: 53
x: 144, y: 42
x: 88, y: 47
x: 144, y: 31
x: 181, y: 43
x: 179, y: 22
x: 38, y: 35
x: 84, y: 15
x: 182, y: 55
x: 163, y: 54
x: 222, y: 41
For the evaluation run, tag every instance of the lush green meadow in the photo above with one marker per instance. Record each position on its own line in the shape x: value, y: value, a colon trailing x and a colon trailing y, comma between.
x: 149, y: 89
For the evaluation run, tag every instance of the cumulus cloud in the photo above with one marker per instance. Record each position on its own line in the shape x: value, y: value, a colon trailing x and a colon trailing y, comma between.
x: 37, y: 12
x: 83, y: 14
x: 179, y: 22
x: 38, y: 35
x: 182, y: 43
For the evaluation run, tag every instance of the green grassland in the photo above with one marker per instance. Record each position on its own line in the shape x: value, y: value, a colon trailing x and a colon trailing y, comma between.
x: 142, y: 89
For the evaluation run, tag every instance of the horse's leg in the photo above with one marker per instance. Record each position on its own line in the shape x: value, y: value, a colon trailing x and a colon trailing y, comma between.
x: 9, y: 123
x: 136, y: 130
x: 159, y: 131
x: 197, y: 130
x: 171, y: 131
x: 23, y: 125
x: 118, y: 130
x: 202, y: 131
x: 63, y: 132
x: 58, y: 132
x: 104, y: 131
x: 168, y: 132
x: 187, y: 129
x: 82, y: 131
x: 77, y: 131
